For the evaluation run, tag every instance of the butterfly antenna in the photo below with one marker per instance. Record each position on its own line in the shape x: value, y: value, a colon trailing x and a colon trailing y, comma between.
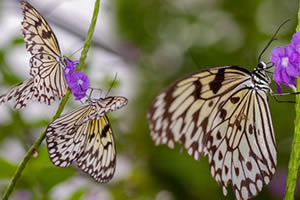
x: 92, y: 89
x: 76, y: 51
x: 112, y: 84
x: 272, y: 39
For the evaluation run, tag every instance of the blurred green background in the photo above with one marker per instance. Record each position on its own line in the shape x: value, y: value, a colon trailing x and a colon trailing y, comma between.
x: 161, y: 41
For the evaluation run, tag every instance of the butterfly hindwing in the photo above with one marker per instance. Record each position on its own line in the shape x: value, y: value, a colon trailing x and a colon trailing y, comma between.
x: 22, y: 93
x: 241, y: 147
x: 99, y: 156
x: 210, y: 113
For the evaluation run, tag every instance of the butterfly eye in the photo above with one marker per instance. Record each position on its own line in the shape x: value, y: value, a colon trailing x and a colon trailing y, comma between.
x: 261, y: 65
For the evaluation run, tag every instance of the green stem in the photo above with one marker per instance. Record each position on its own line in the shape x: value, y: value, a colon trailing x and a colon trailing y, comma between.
x: 88, y: 39
x: 28, y: 155
x: 295, y: 153
x: 295, y: 149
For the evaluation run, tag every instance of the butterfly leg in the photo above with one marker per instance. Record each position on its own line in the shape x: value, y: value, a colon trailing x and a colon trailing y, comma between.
x: 283, y: 94
x: 279, y: 101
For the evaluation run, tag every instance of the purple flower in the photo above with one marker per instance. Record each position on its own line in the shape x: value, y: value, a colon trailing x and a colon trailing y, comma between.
x: 69, y: 68
x: 277, y: 186
x: 295, y: 42
x: 286, y: 60
x: 79, y: 83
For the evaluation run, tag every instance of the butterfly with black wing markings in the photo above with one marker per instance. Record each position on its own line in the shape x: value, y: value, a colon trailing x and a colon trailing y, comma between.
x: 84, y: 136
x: 47, y: 79
x: 221, y: 112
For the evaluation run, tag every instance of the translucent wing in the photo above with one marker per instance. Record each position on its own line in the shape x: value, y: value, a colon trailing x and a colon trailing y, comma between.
x: 241, y: 143
x: 85, y: 136
x: 98, y: 158
x: 22, y: 93
x: 67, y: 135
x: 46, y: 61
x: 205, y: 111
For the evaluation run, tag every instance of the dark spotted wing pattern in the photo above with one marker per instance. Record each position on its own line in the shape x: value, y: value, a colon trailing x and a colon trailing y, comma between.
x: 79, y: 137
x: 46, y: 63
x: 22, y: 93
x: 220, y: 112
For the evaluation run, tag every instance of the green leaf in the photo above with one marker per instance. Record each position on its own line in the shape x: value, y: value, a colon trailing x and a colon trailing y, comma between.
x: 77, y: 195
x: 17, y: 41
x: 110, y: 82
x: 7, y: 169
x: 45, y: 173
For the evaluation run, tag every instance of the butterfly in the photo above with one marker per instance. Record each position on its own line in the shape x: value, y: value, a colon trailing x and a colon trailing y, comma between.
x: 84, y: 136
x: 221, y: 112
x: 47, y: 79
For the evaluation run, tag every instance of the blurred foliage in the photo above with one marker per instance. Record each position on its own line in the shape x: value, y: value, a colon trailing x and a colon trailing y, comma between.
x: 173, y: 38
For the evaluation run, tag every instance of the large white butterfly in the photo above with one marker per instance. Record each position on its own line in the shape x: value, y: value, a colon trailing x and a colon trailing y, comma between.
x: 84, y: 136
x: 47, y: 79
x: 223, y: 113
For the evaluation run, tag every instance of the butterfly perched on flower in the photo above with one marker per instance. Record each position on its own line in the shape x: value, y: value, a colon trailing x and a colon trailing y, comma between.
x: 84, y: 136
x: 221, y: 112
x: 47, y: 79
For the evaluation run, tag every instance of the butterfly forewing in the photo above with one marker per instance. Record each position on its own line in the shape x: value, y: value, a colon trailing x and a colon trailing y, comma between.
x: 181, y: 112
x: 38, y: 35
x: 218, y: 112
x: 67, y: 135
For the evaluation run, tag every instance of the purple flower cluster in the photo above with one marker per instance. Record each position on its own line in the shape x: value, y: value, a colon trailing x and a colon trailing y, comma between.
x: 78, y: 82
x: 287, y: 62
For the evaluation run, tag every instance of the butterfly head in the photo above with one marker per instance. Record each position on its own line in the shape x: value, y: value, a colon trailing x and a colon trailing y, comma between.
x: 260, y: 78
x: 261, y: 66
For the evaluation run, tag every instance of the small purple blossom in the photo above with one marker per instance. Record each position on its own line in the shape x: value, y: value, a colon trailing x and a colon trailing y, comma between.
x: 79, y: 83
x: 285, y: 71
x: 295, y: 42
x: 69, y: 69
x: 22, y: 195
x: 287, y: 62
x: 277, y: 186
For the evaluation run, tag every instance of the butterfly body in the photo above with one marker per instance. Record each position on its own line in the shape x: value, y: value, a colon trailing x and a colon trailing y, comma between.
x: 84, y: 136
x: 223, y: 113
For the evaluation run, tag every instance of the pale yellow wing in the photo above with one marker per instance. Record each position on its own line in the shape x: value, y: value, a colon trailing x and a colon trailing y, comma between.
x: 98, y: 158
x: 205, y: 111
x: 23, y: 92
x: 67, y: 135
x: 46, y: 63
x: 85, y: 136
